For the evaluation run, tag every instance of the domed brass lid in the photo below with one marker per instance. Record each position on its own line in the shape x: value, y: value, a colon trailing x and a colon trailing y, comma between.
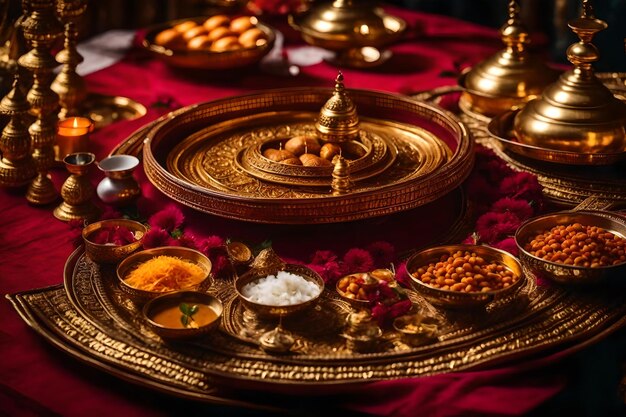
x: 577, y: 113
x: 512, y: 73
x: 338, y: 120
x: 343, y: 24
x: 15, y: 101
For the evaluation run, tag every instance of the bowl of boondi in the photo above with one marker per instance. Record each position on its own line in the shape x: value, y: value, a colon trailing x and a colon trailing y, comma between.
x: 154, y: 272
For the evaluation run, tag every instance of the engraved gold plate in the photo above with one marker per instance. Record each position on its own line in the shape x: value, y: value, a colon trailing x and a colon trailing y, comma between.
x: 94, y: 321
x: 199, y: 156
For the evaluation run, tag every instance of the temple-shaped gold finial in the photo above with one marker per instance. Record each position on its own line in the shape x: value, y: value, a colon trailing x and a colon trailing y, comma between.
x: 17, y: 166
x: 514, y: 34
x: 338, y: 120
x: 577, y: 113
x: 341, y: 183
x: 583, y: 53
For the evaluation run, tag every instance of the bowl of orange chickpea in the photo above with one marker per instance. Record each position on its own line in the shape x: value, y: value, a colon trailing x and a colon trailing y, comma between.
x: 215, y: 42
x: 462, y: 276
x: 575, y: 247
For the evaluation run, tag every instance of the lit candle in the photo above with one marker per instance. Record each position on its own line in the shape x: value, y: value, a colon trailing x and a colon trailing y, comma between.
x: 73, y: 136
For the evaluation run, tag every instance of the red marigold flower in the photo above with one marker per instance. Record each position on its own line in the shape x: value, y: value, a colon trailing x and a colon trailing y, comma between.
x: 110, y: 213
x: 220, y: 264
x: 170, y: 218
x: 382, y: 253
x: 481, y: 190
x: 188, y: 241
x: 520, y: 208
x: 508, y: 245
x: 402, y: 275
x: 155, y: 238
x: 379, y: 313
x: 522, y: 185
x: 400, y: 308
x: 358, y: 260
x: 330, y: 272
x: 492, y: 226
x: 321, y: 257
x: 471, y: 239
x: 210, y: 243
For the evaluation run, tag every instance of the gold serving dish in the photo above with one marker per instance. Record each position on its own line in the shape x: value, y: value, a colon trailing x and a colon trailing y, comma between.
x: 355, y: 31
x: 368, y: 157
x: 571, y: 274
x: 112, y: 253
x: 217, y: 166
x: 501, y: 128
x: 456, y: 299
x: 207, y: 59
x: 133, y: 261
x: 265, y: 310
x: 174, y: 300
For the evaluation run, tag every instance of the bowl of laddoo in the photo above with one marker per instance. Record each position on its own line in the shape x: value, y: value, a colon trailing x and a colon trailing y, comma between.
x: 215, y: 42
x: 464, y: 276
x: 575, y: 247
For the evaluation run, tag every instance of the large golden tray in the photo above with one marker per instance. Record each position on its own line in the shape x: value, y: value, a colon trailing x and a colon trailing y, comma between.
x: 192, y: 157
x: 91, y: 319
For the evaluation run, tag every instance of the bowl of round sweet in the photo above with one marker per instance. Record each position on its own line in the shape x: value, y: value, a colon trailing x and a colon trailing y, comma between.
x: 153, y: 272
x: 575, y: 247
x: 110, y: 241
x: 183, y: 314
x: 271, y: 292
x: 215, y: 42
x: 464, y: 276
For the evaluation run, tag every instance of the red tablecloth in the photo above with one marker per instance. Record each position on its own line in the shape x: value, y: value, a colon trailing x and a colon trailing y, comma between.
x: 37, y: 380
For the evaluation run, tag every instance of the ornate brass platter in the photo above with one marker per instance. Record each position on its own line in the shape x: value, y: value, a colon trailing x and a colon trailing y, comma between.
x: 94, y: 321
x: 197, y: 157
x: 564, y: 184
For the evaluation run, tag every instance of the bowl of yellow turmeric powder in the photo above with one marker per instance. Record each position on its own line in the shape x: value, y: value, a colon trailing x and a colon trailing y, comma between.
x: 153, y: 272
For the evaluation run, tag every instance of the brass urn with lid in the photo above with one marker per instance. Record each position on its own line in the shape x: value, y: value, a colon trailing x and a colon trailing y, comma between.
x: 577, y: 113
x: 509, y: 78
x: 353, y: 28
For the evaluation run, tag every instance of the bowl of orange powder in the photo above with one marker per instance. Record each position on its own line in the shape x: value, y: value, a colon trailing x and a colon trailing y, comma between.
x: 153, y: 272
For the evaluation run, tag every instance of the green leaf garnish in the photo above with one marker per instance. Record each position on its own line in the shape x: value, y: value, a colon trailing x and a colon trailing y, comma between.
x: 188, y: 311
x: 176, y: 233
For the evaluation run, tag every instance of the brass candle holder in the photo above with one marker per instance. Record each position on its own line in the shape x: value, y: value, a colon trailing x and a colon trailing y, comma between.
x: 77, y: 190
x: 68, y: 84
x: 509, y: 78
x: 576, y: 114
x: 72, y: 136
x: 17, y: 167
x: 41, y: 29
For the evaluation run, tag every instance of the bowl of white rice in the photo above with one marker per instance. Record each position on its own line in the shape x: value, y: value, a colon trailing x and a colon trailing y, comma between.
x: 274, y: 293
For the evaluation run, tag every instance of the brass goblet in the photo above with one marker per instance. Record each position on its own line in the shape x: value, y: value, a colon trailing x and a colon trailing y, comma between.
x: 77, y: 190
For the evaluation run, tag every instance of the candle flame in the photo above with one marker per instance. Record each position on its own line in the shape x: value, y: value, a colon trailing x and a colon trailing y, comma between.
x: 75, y: 125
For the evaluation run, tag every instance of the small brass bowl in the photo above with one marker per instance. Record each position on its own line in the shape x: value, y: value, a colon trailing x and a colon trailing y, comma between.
x: 133, y: 261
x: 457, y: 299
x: 156, y: 305
x: 206, y: 59
x: 570, y: 274
x: 417, y: 329
x: 354, y: 302
x: 112, y: 253
x: 269, y: 311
